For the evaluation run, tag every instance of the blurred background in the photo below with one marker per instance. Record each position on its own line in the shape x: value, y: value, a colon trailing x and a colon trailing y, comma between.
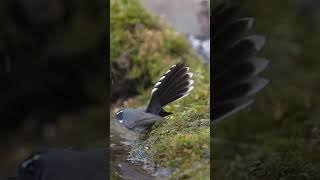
x: 189, y: 17
x: 52, y: 77
x: 279, y: 136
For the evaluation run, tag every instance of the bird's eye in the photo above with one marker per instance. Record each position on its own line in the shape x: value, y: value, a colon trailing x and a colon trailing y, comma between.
x: 120, y: 115
x: 29, y: 165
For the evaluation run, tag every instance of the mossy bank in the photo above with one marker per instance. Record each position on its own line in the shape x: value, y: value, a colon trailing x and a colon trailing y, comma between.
x: 181, y: 142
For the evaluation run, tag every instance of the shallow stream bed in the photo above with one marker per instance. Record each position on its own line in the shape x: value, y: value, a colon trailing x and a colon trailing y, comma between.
x: 120, y: 145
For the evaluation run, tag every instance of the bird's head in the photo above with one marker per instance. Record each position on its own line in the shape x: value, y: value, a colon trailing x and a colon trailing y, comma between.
x: 120, y: 116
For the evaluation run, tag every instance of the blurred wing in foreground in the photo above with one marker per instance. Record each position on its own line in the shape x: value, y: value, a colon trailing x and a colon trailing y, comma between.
x: 63, y: 164
x: 235, y: 66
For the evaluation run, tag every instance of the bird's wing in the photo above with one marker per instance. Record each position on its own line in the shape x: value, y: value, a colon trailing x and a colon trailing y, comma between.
x: 64, y: 164
x: 173, y: 85
x: 235, y: 66
x: 147, y: 121
x: 139, y: 118
x: 30, y: 168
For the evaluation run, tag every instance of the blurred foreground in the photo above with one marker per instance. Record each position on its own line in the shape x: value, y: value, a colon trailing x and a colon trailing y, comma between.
x: 278, y: 137
x: 52, y: 77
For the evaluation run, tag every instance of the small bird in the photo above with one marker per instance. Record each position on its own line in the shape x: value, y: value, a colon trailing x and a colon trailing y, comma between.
x: 175, y: 84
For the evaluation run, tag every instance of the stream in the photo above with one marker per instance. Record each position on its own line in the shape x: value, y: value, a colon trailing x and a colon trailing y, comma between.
x: 120, y: 141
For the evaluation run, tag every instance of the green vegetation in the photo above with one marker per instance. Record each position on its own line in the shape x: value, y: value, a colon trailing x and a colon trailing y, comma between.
x: 181, y: 141
x: 152, y: 47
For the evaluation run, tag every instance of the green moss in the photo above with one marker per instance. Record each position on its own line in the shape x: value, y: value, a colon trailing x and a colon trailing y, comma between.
x: 283, y: 159
x: 181, y: 141
x: 152, y: 46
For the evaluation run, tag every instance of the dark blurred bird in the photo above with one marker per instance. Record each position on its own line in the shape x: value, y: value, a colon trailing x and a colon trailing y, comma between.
x: 64, y: 164
x: 235, y: 66
x: 175, y: 84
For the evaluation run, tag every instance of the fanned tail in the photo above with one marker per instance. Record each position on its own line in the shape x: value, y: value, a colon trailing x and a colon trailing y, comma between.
x: 235, y: 66
x: 175, y: 84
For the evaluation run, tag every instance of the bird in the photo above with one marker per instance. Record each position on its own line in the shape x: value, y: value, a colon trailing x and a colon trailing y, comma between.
x: 63, y: 164
x: 235, y: 64
x: 175, y: 84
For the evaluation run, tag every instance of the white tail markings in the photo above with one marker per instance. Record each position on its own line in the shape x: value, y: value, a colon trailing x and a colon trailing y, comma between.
x: 154, y: 90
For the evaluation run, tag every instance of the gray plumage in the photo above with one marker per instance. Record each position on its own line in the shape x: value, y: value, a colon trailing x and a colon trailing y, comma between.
x: 175, y: 84
x: 137, y: 120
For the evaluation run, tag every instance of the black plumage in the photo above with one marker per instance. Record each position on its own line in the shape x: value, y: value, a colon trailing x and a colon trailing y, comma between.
x: 63, y: 164
x: 235, y: 67
x: 173, y: 85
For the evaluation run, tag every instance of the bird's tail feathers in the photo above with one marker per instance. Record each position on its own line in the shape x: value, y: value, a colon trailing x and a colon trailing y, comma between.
x: 175, y: 84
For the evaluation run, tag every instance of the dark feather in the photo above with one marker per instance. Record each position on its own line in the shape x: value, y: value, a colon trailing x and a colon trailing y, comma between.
x: 173, y: 85
x: 63, y: 164
x: 235, y: 66
x: 221, y: 16
x: 225, y: 109
x: 250, y: 67
x: 241, y: 89
x: 231, y: 34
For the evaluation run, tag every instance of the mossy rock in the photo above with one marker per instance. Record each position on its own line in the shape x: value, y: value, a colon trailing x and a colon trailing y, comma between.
x: 181, y: 141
